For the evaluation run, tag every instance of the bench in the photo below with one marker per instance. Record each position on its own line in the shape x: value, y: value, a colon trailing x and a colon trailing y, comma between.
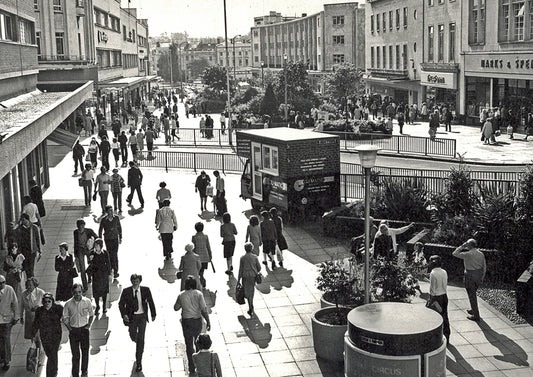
x: 421, y: 236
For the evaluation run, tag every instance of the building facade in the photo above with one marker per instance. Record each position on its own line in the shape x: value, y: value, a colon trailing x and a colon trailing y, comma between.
x: 28, y: 117
x: 322, y: 40
x: 498, y: 61
x: 394, y: 49
x: 192, y: 56
x: 65, y: 43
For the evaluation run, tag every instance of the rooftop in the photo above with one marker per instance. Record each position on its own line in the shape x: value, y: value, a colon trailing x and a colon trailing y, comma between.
x: 24, y: 109
x: 287, y: 134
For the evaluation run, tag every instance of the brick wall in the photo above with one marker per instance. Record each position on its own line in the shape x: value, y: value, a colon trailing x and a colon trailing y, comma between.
x: 16, y: 57
x: 321, y: 153
x: 25, y: 7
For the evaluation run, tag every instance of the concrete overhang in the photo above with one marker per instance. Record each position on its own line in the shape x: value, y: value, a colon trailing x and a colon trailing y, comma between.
x: 29, y: 121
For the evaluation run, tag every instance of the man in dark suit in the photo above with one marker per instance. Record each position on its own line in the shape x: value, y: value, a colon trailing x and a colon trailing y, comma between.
x: 135, y: 178
x: 133, y: 305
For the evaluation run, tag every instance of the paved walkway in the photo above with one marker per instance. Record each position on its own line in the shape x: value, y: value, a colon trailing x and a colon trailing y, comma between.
x: 278, y: 341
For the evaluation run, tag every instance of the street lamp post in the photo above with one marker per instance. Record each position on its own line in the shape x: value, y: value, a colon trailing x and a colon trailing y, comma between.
x: 262, y: 75
x: 285, y: 79
x: 230, y: 136
x: 367, y: 156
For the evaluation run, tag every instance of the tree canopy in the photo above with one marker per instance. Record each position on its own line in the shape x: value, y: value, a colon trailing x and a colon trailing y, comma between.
x: 197, y: 67
x: 345, y: 81
x: 215, y: 78
x: 300, y: 95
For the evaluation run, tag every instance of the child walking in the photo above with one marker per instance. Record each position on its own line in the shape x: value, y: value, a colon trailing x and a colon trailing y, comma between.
x: 228, y: 232
x: 202, y: 248
x: 253, y: 234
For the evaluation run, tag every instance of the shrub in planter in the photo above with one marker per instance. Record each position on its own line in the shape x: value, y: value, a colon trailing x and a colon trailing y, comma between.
x: 392, y: 282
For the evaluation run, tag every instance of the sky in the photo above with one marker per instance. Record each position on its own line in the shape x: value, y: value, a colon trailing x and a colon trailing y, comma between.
x: 205, y: 18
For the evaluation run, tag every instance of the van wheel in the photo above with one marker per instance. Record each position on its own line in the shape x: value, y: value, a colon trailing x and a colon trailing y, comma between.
x: 256, y: 204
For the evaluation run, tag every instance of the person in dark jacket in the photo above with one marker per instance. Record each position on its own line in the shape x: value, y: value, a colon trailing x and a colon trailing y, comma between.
x: 116, y: 126
x: 64, y: 263
x: 123, y: 141
x: 102, y: 132
x: 135, y: 178
x: 135, y: 316
x: 100, y: 270
x: 29, y: 243
x: 48, y: 323
x: 83, y: 244
x: 269, y: 238
x: 112, y: 231
x: 36, y: 195
x: 78, y: 152
x: 105, y: 149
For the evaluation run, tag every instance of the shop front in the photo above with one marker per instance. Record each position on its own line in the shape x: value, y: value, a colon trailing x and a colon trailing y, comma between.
x: 401, y: 91
x: 441, y: 88
x: 499, y: 79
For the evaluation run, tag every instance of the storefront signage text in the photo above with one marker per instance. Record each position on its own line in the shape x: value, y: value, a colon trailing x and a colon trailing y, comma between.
x: 434, y: 79
x: 509, y: 64
x: 447, y: 80
x: 102, y: 36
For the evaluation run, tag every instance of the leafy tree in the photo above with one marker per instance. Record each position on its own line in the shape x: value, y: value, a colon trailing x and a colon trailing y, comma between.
x: 459, y: 197
x: 345, y: 81
x: 163, y: 66
x: 525, y: 202
x: 298, y: 87
x: 269, y: 104
x: 197, y: 67
x: 215, y: 78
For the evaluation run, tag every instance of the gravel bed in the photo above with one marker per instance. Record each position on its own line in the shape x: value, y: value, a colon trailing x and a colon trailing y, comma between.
x: 502, y: 297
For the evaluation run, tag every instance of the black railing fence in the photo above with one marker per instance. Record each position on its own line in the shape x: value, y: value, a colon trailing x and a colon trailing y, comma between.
x: 434, y: 181
x: 389, y: 143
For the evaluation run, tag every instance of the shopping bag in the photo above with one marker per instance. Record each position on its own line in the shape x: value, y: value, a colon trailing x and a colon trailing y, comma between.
x: 239, y: 294
x: 209, y: 190
x: 32, y: 359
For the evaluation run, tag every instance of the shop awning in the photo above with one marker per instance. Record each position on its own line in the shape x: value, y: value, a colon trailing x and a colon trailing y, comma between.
x: 401, y: 84
x: 122, y: 83
x: 63, y: 137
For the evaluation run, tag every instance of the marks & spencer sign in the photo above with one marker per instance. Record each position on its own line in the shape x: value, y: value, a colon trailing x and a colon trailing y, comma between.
x: 500, y: 63
x: 447, y: 80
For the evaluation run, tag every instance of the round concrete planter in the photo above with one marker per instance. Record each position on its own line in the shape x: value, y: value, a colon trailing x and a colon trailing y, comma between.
x: 325, y: 303
x: 328, y: 340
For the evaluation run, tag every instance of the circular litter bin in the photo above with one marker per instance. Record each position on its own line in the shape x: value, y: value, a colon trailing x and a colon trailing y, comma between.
x: 394, y: 339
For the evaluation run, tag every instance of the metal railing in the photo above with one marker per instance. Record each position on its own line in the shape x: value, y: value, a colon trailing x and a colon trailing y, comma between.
x: 399, y: 143
x: 434, y: 181
x: 389, y: 143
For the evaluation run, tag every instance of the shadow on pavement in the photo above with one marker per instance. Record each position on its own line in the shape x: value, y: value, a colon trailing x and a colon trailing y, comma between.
x: 505, y: 344
x: 99, y: 334
x: 115, y: 289
x: 459, y: 366
x: 210, y: 298
x: 207, y: 216
x: 135, y: 211
x: 232, y: 283
x: 277, y: 279
x: 258, y: 332
x: 168, y: 272
x: 330, y: 369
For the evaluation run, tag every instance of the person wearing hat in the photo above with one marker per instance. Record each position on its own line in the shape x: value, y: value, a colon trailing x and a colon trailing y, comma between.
x: 64, y: 265
x: 9, y: 315
x: 166, y: 224
x: 47, y: 323
x: 29, y: 243
x: 438, y: 281
x: 117, y: 184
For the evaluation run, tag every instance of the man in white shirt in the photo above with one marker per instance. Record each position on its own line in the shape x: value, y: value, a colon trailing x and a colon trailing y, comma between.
x: 133, y: 305
x: 78, y: 316
x: 166, y: 224
x: 32, y: 210
x: 392, y: 232
x: 8, y: 317
x: 220, y: 198
x: 102, y: 185
x: 438, y: 281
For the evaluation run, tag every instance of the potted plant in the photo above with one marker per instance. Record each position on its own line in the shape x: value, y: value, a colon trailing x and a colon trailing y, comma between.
x: 338, y: 280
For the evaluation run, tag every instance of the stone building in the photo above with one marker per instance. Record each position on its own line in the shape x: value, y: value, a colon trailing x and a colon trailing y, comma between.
x: 29, y: 118
x: 321, y: 40
x: 240, y: 57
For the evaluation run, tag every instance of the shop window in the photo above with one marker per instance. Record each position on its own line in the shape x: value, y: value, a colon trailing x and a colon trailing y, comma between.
x: 270, y: 159
x: 431, y: 43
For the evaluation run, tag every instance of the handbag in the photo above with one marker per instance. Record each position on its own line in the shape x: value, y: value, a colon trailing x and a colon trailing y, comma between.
x: 239, y: 294
x: 88, y: 157
x: 80, y: 182
x: 72, y: 272
x: 32, y: 358
x: 259, y: 278
x: 179, y: 274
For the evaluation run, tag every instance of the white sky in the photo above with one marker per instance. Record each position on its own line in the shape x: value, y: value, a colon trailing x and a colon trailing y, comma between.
x: 205, y: 18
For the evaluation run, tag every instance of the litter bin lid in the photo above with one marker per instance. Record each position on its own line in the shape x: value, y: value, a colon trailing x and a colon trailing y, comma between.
x: 391, y: 328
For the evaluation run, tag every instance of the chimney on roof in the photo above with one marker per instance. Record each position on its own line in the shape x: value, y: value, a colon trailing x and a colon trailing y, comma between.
x: 304, y: 14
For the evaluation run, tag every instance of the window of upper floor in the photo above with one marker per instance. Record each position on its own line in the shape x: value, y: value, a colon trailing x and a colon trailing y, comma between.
x: 338, y: 20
